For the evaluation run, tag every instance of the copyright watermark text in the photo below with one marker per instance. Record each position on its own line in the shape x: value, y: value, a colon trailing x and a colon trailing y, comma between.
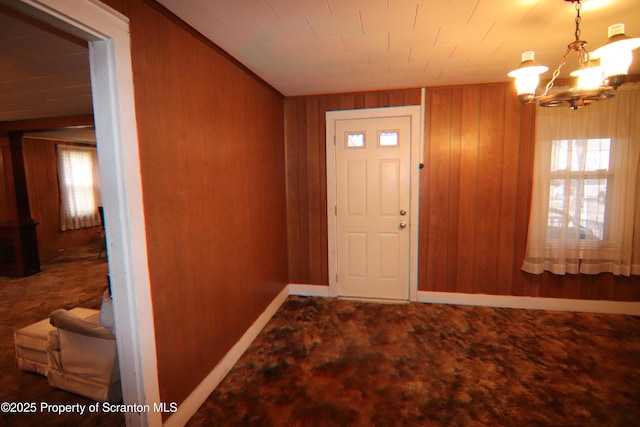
x: 81, y: 408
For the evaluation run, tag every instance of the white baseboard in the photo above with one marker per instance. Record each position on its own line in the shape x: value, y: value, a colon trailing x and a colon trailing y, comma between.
x: 506, y: 301
x: 531, y: 303
x: 309, y: 290
x: 193, y: 402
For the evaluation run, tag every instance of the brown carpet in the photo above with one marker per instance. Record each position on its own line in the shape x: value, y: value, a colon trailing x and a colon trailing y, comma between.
x: 328, y: 362
x: 73, y: 278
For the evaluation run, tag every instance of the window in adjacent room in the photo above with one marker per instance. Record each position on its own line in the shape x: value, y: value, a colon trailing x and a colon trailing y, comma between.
x: 79, y: 186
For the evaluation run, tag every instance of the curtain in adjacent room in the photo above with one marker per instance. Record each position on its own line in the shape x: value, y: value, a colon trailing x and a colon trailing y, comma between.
x: 585, y: 208
x: 79, y: 186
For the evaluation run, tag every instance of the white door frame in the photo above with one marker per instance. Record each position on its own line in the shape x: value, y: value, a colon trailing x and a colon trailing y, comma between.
x: 413, y: 112
x: 107, y: 32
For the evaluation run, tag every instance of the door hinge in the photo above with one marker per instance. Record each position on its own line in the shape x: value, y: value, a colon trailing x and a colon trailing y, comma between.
x: 336, y: 277
x: 334, y: 139
x: 335, y: 210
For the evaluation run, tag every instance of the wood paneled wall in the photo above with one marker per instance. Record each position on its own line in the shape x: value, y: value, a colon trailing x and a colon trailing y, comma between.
x: 212, y: 163
x: 44, y: 198
x: 469, y: 189
x: 305, y: 137
x: 475, y: 197
x: 475, y: 192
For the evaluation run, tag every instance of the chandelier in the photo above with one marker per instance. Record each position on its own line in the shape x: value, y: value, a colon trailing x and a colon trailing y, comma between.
x: 600, y: 71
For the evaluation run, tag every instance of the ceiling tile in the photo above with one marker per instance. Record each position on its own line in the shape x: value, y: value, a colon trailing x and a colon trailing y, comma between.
x: 369, y: 69
x: 443, y: 13
x: 413, y: 38
x: 389, y: 56
x: 510, y: 11
x: 335, y: 24
x: 469, y: 49
x: 321, y: 46
x: 229, y: 12
x: 399, y: 17
x: 286, y: 29
x: 311, y: 63
x: 285, y: 49
x: 196, y: 13
x: 369, y: 41
x: 462, y: 33
x: 338, y: 6
x: 429, y: 53
x: 236, y: 34
x: 334, y: 72
x: 347, y: 58
x: 288, y: 8
x: 408, y: 66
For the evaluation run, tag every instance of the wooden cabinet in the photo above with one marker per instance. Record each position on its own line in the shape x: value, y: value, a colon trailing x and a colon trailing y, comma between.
x: 19, y: 248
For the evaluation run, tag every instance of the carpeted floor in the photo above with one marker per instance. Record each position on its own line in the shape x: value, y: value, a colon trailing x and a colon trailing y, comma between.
x: 328, y: 362
x: 73, y: 278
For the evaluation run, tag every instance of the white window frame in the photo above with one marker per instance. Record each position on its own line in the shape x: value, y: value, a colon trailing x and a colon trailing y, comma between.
x: 70, y: 218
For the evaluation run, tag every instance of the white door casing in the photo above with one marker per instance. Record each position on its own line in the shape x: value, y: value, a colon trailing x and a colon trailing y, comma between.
x: 372, y: 203
x: 107, y: 32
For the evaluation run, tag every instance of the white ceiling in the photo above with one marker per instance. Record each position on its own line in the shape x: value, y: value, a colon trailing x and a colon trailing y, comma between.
x: 327, y: 46
x: 324, y: 46
x: 43, y: 72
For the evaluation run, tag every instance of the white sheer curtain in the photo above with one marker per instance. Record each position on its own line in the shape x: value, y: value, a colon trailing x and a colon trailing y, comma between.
x: 79, y: 186
x: 585, y: 208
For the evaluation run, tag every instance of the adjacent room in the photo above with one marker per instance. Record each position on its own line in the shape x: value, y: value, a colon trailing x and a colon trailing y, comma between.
x: 322, y: 212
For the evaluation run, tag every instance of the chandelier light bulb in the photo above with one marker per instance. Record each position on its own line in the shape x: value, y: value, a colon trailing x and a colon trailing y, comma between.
x: 527, y: 76
x: 616, y: 56
x: 589, y: 77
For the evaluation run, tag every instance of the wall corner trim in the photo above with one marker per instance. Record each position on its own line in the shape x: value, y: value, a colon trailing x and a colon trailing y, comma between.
x: 198, y: 396
x: 531, y: 303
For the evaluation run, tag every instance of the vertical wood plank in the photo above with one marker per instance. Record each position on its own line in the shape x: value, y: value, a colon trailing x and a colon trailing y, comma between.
x: 438, y: 190
x: 454, y: 189
x: 508, y: 198
x: 524, y: 283
x: 292, y: 165
x: 314, y: 207
x: 489, y: 188
x: 470, y: 128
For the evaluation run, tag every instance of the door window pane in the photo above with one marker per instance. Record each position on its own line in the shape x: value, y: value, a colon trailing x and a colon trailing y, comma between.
x: 388, y: 138
x: 356, y: 140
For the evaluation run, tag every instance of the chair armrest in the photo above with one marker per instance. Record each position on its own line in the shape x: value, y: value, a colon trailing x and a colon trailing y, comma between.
x: 64, y: 320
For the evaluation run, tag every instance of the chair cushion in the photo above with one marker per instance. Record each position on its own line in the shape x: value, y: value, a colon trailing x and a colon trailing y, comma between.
x: 63, y: 319
x: 35, y: 335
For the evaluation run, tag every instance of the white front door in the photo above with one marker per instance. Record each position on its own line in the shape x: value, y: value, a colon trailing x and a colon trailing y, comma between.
x: 372, y: 206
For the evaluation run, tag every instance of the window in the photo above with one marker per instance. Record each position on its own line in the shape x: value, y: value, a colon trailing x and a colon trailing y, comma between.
x: 585, y: 213
x: 579, y: 180
x: 79, y: 187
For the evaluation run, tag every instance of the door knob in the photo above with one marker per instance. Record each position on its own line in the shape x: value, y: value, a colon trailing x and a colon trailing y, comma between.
x: 403, y: 212
x: 403, y: 225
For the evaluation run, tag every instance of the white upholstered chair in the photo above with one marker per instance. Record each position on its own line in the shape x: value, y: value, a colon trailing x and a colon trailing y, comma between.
x: 83, y: 357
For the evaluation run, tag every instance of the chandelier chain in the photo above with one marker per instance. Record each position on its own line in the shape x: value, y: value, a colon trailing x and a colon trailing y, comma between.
x: 556, y: 73
x: 578, y: 19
